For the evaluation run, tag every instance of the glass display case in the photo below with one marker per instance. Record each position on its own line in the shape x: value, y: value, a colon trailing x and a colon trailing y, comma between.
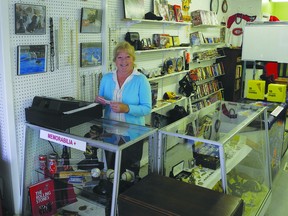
x: 76, y: 162
x: 223, y: 147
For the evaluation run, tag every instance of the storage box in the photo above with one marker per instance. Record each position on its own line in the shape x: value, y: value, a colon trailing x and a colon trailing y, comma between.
x: 276, y: 93
x: 159, y: 195
x: 207, y: 161
x: 256, y: 89
x: 206, y: 155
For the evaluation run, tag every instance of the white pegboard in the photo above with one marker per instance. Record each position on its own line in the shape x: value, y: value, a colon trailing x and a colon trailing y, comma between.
x: 63, y: 81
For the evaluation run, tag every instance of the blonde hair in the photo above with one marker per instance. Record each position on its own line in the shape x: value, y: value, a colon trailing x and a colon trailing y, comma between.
x: 124, y: 46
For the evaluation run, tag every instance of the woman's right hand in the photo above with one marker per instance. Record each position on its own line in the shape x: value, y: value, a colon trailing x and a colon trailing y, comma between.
x: 101, y: 100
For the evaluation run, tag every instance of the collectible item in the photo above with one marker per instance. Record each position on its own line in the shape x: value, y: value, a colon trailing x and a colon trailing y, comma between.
x: 134, y: 39
x: 95, y: 172
x: 42, y: 198
x: 91, y: 54
x: 52, y: 52
x: 171, y: 13
x: 32, y: 59
x: 91, y: 20
x: 30, y: 19
x: 178, y: 172
x: 178, y: 13
x: 134, y: 9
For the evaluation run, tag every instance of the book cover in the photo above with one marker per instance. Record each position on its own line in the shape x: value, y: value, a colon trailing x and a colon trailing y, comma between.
x: 195, y: 38
x: 42, y: 198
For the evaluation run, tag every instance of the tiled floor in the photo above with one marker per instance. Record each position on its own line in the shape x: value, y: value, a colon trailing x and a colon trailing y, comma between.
x: 279, y: 202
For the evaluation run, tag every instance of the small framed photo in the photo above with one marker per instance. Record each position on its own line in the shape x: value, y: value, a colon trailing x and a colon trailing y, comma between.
x: 30, y: 19
x: 31, y: 59
x: 91, y: 54
x: 91, y: 20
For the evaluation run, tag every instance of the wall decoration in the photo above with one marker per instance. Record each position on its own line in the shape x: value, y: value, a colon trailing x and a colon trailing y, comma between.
x: 91, y: 54
x: 91, y: 20
x: 134, y: 9
x: 30, y: 19
x: 32, y: 59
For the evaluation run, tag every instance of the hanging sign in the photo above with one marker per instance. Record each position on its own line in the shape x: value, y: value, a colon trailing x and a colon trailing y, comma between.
x: 63, y: 140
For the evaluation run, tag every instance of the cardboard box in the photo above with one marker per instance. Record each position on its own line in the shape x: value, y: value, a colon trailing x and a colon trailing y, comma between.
x: 276, y: 93
x: 256, y: 89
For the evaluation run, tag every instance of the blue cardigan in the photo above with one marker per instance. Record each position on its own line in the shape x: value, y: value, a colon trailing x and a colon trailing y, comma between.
x: 136, y: 92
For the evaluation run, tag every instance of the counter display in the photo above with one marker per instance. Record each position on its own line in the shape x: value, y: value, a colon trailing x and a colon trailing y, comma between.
x: 224, y: 147
x: 75, y: 160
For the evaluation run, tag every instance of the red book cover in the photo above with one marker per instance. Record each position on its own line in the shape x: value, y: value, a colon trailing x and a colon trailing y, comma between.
x: 42, y: 198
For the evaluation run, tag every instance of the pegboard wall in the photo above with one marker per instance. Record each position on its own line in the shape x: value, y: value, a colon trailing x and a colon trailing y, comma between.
x: 68, y: 78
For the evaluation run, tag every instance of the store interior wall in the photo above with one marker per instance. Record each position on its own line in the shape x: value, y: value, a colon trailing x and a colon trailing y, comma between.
x: 278, y: 9
x: 65, y: 81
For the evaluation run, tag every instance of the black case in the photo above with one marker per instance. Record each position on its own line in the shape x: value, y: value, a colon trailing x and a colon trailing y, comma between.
x: 49, y: 112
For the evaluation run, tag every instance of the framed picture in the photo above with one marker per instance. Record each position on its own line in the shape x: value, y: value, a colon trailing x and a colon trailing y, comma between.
x: 91, y: 20
x: 91, y: 54
x: 31, y: 59
x: 30, y: 19
x: 134, y: 9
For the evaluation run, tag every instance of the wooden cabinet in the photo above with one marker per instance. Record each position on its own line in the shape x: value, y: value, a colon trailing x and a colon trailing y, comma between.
x: 233, y: 74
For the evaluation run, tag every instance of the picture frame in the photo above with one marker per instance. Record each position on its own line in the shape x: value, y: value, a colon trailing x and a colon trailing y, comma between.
x: 134, y: 9
x: 30, y: 19
x: 90, y: 54
x: 31, y: 59
x: 91, y: 20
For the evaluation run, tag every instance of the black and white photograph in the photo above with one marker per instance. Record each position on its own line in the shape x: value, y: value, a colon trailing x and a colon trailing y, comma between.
x: 30, y: 19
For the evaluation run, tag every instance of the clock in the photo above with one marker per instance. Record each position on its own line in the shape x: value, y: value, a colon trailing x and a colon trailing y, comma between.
x: 214, y: 5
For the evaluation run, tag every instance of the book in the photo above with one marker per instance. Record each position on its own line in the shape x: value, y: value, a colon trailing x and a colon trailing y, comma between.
x: 42, y: 198
x: 195, y: 38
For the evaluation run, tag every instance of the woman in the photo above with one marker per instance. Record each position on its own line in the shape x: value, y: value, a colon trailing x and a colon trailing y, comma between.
x: 126, y: 94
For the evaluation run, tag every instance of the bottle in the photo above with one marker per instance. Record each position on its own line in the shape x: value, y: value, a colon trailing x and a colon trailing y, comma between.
x: 65, y: 158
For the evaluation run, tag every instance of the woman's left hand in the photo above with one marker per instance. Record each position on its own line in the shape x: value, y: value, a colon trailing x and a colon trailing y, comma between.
x: 119, y: 107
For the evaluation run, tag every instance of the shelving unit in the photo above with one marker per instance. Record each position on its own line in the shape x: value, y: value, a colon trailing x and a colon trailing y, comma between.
x: 233, y: 71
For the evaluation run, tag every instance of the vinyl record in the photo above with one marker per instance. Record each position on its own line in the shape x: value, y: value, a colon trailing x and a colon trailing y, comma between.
x: 179, y: 64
